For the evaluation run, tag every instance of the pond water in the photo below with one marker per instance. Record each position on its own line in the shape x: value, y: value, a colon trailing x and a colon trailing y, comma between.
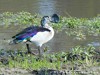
x: 61, y: 41
x: 74, y: 8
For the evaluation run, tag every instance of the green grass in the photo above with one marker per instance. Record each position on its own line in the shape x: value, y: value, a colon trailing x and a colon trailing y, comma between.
x: 32, y: 62
x: 54, y: 61
x: 79, y: 59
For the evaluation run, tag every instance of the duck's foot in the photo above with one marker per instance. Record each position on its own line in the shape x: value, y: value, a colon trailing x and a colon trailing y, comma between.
x: 29, y: 50
x: 31, y: 53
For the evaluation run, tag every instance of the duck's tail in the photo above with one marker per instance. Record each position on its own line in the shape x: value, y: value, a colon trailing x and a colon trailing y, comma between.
x: 13, y: 41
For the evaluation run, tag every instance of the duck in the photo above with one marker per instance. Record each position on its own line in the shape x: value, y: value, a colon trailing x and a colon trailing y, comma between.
x: 37, y: 35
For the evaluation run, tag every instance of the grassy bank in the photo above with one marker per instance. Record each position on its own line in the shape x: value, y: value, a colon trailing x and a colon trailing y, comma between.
x: 79, y: 61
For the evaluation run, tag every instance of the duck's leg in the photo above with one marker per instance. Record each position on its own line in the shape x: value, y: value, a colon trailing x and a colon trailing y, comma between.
x: 29, y: 50
x: 40, y: 52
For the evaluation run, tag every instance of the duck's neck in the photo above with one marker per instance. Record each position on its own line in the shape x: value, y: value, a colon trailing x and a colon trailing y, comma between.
x: 51, y: 30
x: 47, y: 26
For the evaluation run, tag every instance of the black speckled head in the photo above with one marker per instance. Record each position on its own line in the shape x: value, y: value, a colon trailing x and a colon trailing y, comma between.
x: 55, y: 18
x: 45, y: 20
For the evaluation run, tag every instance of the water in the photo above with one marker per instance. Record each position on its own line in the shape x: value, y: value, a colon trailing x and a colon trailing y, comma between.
x: 61, y: 41
x: 74, y: 8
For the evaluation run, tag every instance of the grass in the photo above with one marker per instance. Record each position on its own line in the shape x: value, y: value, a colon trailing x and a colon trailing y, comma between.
x: 77, y: 61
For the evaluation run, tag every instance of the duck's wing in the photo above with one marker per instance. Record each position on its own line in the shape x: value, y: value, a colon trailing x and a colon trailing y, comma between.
x: 27, y: 33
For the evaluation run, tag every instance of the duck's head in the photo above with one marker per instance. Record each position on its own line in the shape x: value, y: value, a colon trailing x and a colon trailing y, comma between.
x: 46, y: 19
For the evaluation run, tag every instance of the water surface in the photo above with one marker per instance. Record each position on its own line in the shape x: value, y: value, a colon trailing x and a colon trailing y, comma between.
x: 61, y: 41
x: 74, y: 8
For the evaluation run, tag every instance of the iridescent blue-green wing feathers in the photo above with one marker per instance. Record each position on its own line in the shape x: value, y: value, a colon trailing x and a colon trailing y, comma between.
x: 27, y: 33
